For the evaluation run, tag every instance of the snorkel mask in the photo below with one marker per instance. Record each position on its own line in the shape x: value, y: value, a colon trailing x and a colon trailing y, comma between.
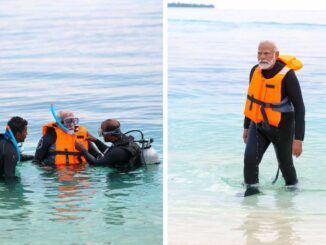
x: 115, y: 132
x: 71, y: 122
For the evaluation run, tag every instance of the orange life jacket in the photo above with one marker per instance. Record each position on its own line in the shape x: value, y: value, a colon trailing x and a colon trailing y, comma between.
x: 65, y: 150
x: 264, y: 102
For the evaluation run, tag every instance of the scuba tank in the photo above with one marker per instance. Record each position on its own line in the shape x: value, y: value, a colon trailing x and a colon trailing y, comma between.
x: 148, y: 153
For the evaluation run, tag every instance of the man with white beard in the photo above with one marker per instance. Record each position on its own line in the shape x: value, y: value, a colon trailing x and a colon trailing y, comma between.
x: 274, y: 113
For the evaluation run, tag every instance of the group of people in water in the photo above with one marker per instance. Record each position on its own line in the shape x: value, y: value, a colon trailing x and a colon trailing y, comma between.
x: 274, y: 113
x: 65, y: 142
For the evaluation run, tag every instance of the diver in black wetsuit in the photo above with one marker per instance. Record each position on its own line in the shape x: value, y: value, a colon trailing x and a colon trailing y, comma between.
x: 8, y: 152
x: 124, y: 154
x: 287, y: 137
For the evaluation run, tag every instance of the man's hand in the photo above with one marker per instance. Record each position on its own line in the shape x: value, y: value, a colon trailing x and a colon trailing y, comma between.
x: 245, y: 135
x: 79, y: 146
x: 90, y: 137
x: 297, y: 148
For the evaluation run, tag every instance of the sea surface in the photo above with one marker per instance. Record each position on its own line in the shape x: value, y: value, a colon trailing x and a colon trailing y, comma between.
x: 100, y: 59
x: 210, y: 54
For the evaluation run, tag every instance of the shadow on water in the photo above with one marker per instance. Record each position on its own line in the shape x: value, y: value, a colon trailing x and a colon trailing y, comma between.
x: 118, y: 194
x: 270, y: 225
x: 117, y: 180
x: 13, y: 200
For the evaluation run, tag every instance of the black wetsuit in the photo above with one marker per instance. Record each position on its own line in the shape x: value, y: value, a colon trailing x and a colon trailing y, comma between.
x: 45, y: 151
x: 292, y: 125
x: 8, y: 158
x: 123, y: 155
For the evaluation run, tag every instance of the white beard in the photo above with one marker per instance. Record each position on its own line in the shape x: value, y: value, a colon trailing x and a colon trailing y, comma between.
x: 264, y: 65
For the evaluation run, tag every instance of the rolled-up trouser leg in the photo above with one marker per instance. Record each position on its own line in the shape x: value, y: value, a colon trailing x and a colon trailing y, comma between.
x: 255, y: 149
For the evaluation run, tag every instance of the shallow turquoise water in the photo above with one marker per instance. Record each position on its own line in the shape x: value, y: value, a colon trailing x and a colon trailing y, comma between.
x: 102, y: 60
x: 211, y: 53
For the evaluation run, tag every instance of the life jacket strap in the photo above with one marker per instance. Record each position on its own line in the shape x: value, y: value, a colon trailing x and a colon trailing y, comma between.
x: 284, y: 106
x: 274, y: 106
x: 67, y: 154
x: 71, y: 153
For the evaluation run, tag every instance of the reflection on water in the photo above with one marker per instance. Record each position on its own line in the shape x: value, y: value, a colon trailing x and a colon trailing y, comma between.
x: 119, y: 188
x: 83, y: 200
x: 73, y: 189
x: 84, y: 196
x: 270, y: 225
x: 13, y: 200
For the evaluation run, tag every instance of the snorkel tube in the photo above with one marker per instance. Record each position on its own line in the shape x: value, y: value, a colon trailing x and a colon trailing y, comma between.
x: 59, y: 122
x: 12, y: 137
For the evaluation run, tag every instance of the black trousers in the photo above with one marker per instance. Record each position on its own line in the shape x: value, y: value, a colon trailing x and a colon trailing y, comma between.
x: 258, y: 142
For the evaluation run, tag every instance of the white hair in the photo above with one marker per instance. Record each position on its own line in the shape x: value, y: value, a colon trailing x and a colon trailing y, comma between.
x: 64, y: 114
x: 275, y: 49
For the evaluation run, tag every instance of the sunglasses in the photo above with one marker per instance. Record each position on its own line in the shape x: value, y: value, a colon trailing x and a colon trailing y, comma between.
x: 113, y: 132
x: 69, y: 121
